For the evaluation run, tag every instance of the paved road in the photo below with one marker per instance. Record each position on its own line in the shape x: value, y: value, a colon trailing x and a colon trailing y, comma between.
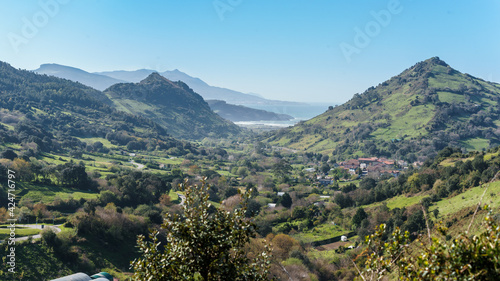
x: 35, y: 226
x: 139, y: 166
x: 183, y: 198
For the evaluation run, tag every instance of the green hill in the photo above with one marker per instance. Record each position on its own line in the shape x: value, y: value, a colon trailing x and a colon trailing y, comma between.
x: 171, y: 104
x: 416, y: 113
x: 46, y: 113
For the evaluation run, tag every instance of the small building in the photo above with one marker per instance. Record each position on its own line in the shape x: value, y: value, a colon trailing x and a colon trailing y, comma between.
x: 343, y: 238
x: 351, y: 164
x: 402, y: 163
x: 281, y: 193
x: 325, y: 182
x: 389, y: 162
x: 368, y: 160
x: 164, y: 166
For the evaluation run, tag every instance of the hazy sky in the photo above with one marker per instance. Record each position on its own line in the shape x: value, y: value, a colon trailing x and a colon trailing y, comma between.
x: 312, y: 51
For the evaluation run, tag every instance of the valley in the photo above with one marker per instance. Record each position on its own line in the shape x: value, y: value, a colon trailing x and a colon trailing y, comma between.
x: 104, y: 167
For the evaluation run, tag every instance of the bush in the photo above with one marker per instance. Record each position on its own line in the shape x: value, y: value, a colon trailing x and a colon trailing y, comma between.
x: 202, y: 245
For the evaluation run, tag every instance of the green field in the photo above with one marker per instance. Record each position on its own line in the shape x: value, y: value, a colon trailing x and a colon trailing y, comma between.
x: 173, y: 196
x: 488, y: 156
x: 469, y: 198
x: 132, y: 106
x: 10, y: 127
x: 47, y: 193
x: 320, y: 232
x: 20, y: 232
x: 400, y: 201
x: 450, y: 97
x: 442, y: 80
x: 476, y: 144
x: 171, y: 161
x: 226, y: 173
x: 104, y: 141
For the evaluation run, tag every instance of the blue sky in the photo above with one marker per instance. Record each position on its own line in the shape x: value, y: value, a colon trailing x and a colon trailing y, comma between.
x: 309, y: 51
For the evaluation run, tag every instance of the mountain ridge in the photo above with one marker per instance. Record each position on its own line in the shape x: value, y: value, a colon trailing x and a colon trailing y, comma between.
x: 415, y: 113
x: 173, y: 105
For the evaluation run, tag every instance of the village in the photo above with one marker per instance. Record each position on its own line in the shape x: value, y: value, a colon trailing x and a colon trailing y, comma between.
x: 362, y: 167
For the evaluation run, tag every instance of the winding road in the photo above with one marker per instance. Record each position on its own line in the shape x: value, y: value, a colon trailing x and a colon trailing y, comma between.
x: 183, y: 198
x: 36, y: 226
x: 139, y: 166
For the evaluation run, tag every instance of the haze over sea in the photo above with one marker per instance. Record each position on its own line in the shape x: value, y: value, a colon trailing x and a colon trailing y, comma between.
x: 300, y: 112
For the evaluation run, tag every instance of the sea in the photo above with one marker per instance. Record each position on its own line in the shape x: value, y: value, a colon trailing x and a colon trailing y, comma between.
x: 300, y: 112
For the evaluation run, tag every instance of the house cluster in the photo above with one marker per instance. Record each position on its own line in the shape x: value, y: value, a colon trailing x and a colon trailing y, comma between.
x: 371, y: 166
x: 374, y: 166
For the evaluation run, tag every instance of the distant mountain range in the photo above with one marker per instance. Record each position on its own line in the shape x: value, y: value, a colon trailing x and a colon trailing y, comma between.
x: 103, y: 80
x: 155, y: 108
x: 96, y: 81
x: 418, y: 112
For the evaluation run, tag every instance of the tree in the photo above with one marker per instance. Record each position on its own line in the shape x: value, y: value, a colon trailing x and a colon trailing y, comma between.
x: 359, y: 217
x: 415, y: 222
x: 253, y: 208
x: 75, y: 175
x: 282, y: 169
x: 298, y: 212
x: 259, y: 147
x: 286, y: 200
x: 436, y: 213
x: 9, y: 154
x: 325, y: 168
x: 343, y: 201
x: 202, y: 245
x: 367, y: 183
x: 230, y: 191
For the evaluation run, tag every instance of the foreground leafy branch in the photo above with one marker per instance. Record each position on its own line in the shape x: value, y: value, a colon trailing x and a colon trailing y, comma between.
x: 468, y: 257
x: 204, y: 243
x: 475, y: 257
